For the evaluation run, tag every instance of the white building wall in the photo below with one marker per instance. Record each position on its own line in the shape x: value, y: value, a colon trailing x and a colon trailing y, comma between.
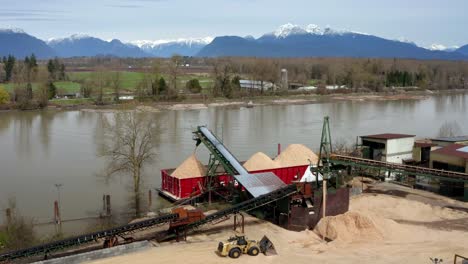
x: 399, y: 149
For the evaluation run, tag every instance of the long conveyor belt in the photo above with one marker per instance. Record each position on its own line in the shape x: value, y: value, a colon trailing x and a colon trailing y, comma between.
x: 407, y: 169
x: 247, y: 205
x: 75, y: 241
x: 214, y: 145
x: 82, y: 239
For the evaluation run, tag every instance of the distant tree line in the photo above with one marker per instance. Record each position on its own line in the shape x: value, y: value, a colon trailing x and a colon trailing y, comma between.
x: 32, y: 85
x: 165, y: 79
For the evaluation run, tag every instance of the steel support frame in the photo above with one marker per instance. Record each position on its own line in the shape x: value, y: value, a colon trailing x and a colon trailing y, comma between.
x: 200, y: 138
x: 369, y: 165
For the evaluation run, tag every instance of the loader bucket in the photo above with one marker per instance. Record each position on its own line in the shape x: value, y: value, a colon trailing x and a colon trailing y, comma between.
x: 267, y: 247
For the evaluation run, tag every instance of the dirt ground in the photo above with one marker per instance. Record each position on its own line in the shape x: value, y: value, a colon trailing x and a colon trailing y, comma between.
x: 394, y: 224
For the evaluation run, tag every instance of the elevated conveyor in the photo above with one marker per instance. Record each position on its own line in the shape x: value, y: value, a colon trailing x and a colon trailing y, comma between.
x: 214, y: 145
x: 398, y: 168
x: 87, y: 238
x: 247, y: 205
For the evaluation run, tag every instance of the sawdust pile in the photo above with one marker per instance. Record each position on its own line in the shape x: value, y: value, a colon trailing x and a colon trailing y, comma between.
x: 259, y: 161
x: 190, y: 168
x: 348, y: 227
x: 397, y: 208
x: 361, y: 182
x: 296, y: 155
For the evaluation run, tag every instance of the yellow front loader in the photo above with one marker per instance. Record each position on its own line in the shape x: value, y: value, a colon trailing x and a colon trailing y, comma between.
x: 239, y: 244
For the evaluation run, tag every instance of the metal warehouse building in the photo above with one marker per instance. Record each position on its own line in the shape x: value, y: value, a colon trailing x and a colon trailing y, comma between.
x: 445, y: 141
x: 453, y: 157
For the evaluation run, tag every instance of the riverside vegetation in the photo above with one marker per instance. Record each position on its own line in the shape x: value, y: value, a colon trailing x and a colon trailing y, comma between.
x: 30, y: 83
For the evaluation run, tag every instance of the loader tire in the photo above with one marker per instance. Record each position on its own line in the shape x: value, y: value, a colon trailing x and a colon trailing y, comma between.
x: 234, y: 253
x: 253, y: 251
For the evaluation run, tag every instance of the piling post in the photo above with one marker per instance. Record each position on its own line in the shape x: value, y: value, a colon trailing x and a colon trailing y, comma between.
x: 279, y: 149
x: 57, y: 219
x: 150, y: 200
x: 8, y: 215
x: 324, y: 197
x: 108, y: 205
x: 103, y: 203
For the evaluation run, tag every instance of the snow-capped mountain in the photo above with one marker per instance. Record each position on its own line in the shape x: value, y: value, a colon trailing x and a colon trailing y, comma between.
x: 166, y: 48
x: 290, y: 29
x: 463, y: 50
x: 292, y: 40
x: 288, y: 40
x: 442, y: 47
x: 18, y: 43
x: 72, y: 38
x: 84, y: 45
x: 12, y: 30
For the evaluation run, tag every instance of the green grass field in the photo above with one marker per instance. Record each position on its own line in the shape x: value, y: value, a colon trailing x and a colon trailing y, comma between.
x: 129, y: 81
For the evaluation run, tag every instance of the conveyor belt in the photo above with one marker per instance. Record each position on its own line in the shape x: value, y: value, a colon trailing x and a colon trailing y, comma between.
x: 247, y: 205
x: 407, y: 169
x: 75, y: 241
x: 214, y: 145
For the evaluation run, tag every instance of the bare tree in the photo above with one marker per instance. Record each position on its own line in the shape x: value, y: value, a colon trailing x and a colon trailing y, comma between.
x: 99, y: 81
x: 131, y: 146
x: 175, y: 62
x: 342, y: 146
x: 449, y: 129
x: 116, y: 84
x: 222, y: 72
x: 42, y: 93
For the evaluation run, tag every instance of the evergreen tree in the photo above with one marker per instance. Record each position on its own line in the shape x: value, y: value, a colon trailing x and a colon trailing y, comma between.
x: 194, y: 86
x: 8, y: 65
x: 236, y: 82
x: 52, y: 90
x: 162, y: 85
x: 62, y: 76
x: 51, y: 69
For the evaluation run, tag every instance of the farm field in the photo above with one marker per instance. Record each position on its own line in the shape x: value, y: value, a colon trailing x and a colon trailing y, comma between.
x: 129, y: 81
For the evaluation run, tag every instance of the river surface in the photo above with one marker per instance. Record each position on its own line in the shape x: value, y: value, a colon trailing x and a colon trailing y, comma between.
x: 43, y: 148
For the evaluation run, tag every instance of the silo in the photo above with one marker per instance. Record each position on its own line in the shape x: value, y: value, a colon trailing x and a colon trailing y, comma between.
x: 284, y: 79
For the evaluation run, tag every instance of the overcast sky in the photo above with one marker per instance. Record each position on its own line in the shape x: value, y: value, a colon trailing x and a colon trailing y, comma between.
x: 423, y: 21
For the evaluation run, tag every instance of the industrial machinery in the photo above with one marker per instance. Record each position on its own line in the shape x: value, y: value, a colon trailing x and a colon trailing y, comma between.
x: 239, y: 244
x: 299, y: 204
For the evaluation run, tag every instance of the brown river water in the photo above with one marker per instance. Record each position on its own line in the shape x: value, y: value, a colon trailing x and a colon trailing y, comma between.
x: 42, y: 148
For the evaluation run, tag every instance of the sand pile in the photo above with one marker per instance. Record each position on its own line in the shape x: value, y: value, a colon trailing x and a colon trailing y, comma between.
x: 348, y: 227
x: 296, y: 155
x: 259, y: 161
x: 397, y: 208
x: 361, y: 182
x: 190, y: 168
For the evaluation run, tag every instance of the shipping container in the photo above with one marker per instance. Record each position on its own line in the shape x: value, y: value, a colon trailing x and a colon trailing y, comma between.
x: 175, y: 188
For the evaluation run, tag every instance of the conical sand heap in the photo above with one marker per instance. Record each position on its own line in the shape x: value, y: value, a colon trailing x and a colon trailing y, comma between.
x: 296, y: 155
x: 259, y: 161
x: 190, y: 168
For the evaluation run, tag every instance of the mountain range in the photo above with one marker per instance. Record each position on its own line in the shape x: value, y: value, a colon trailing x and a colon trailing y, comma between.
x: 287, y: 41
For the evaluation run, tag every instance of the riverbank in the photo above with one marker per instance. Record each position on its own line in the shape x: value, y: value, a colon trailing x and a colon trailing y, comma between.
x: 197, y: 103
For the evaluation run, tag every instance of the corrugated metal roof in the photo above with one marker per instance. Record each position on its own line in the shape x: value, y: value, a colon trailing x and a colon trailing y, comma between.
x: 260, y: 183
x: 453, y: 150
x: 424, y: 144
x: 388, y: 136
x: 452, y: 139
